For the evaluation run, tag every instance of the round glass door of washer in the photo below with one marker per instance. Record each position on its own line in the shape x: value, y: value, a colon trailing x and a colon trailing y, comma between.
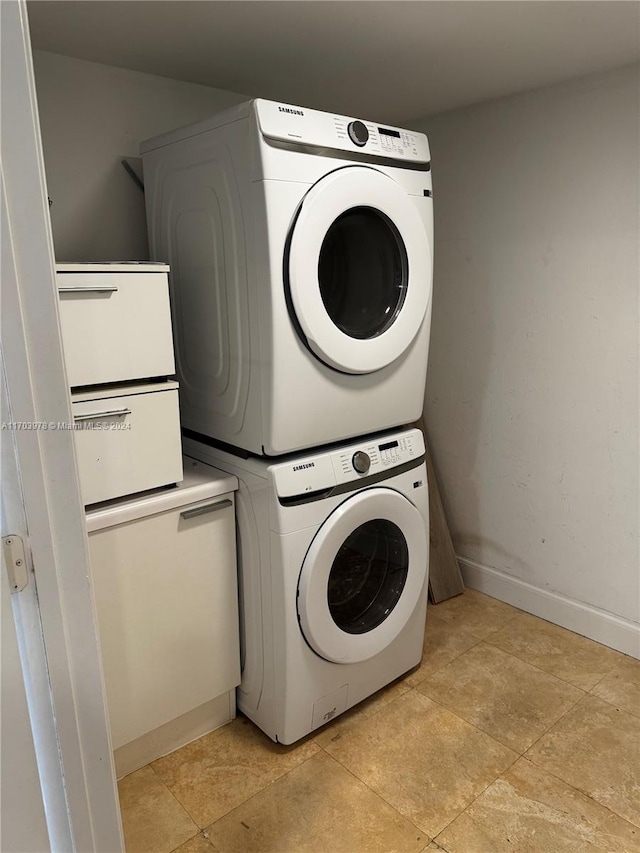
x: 362, y: 576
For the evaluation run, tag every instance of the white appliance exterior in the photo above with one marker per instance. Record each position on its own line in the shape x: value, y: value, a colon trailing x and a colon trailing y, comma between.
x: 240, y: 206
x: 299, y: 669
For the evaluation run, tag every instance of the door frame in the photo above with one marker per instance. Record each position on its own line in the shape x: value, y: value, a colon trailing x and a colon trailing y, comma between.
x: 38, y: 396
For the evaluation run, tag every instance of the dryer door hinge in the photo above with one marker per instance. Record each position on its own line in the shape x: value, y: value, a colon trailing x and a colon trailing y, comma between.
x: 16, y: 562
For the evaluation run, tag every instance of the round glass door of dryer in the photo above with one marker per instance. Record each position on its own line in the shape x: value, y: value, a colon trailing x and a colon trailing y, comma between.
x: 362, y: 576
x: 358, y: 270
x: 363, y: 272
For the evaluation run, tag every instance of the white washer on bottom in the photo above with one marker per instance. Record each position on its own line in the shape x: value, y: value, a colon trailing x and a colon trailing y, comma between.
x: 333, y: 568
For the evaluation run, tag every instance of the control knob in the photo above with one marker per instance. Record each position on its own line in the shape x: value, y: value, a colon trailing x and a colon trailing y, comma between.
x: 358, y: 133
x: 361, y: 462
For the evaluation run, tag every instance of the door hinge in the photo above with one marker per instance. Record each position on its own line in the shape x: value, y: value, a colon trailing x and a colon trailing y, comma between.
x: 16, y: 562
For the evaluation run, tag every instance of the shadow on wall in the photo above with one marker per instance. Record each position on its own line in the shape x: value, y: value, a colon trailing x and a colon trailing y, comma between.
x: 457, y: 378
x: 532, y: 388
x: 113, y: 214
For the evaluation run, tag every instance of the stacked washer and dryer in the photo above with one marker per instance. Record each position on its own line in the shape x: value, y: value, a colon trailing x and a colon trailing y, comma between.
x: 300, y: 246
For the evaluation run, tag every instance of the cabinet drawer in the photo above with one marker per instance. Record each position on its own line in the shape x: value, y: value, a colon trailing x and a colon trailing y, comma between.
x: 165, y: 588
x: 127, y: 443
x: 115, y: 326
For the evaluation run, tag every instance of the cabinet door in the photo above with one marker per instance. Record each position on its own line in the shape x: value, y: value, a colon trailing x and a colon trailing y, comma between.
x: 115, y: 326
x: 166, y: 594
x: 127, y: 444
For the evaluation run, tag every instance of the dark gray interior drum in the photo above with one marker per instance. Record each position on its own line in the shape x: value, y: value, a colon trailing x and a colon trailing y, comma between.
x: 363, y: 272
x: 367, y: 576
x: 363, y: 575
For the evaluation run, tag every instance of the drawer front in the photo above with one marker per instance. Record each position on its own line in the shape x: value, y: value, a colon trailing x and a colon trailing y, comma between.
x: 115, y: 326
x: 165, y: 588
x: 127, y: 444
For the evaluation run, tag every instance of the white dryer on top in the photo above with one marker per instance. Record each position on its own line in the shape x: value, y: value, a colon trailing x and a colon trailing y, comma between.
x: 300, y: 245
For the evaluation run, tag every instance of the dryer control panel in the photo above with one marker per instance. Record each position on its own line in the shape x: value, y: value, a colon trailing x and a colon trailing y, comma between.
x: 323, y: 471
x: 303, y: 126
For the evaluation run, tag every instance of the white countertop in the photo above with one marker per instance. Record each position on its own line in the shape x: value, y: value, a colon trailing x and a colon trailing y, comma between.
x: 201, y: 483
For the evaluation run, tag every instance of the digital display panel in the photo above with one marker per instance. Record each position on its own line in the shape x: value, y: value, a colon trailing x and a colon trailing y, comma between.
x: 388, y: 446
x: 386, y: 132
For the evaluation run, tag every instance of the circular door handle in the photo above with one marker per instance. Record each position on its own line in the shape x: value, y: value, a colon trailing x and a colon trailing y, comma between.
x: 358, y: 133
x: 361, y: 462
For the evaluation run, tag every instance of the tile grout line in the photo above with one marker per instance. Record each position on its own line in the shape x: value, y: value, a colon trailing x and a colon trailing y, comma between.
x: 176, y: 798
x: 557, y: 722
x: 260, y: 791
x: 200, y: 832
x: 413, y: 686
x: 452, y: 624
x: 350, y: 772
x: 466, y: 722
x: 485, y: 639
x: 519, y: 755
x: 184, y: 809
x: 375, y: 713
x: 607, y: 702
x: 546, y: 672
x: 493, y: 737
x: 564, y: 781
x: 380, y: 797
x: 468, y: 806
x: 553, y: 775
x: 319, y: 748
x: 568, y: 631
x: 438, y: 845
x: 171, y: 794
x: 515, y: 657
x: 473, y: 725
x: 606, y: 675
x: 580, y: 791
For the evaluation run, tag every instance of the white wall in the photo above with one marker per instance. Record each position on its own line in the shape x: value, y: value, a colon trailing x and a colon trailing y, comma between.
x: 532, y: 391
x: 92, y: 116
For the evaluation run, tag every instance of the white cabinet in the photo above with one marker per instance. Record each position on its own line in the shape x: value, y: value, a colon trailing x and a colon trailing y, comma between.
x: 127, y: 439
x: 116, y: 322
x: 118, y: 350
x: 163, y: 568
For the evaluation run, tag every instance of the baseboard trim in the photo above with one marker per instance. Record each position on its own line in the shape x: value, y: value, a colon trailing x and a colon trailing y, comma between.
x: 581, y: 618
x: 174, y: 734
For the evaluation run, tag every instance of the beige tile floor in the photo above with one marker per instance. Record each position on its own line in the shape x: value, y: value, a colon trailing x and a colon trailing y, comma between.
x: 512, y: 735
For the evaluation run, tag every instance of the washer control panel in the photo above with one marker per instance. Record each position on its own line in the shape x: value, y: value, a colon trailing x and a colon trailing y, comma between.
x: 326, y: 130
x: 380, y: 455
x: 323, y: 471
